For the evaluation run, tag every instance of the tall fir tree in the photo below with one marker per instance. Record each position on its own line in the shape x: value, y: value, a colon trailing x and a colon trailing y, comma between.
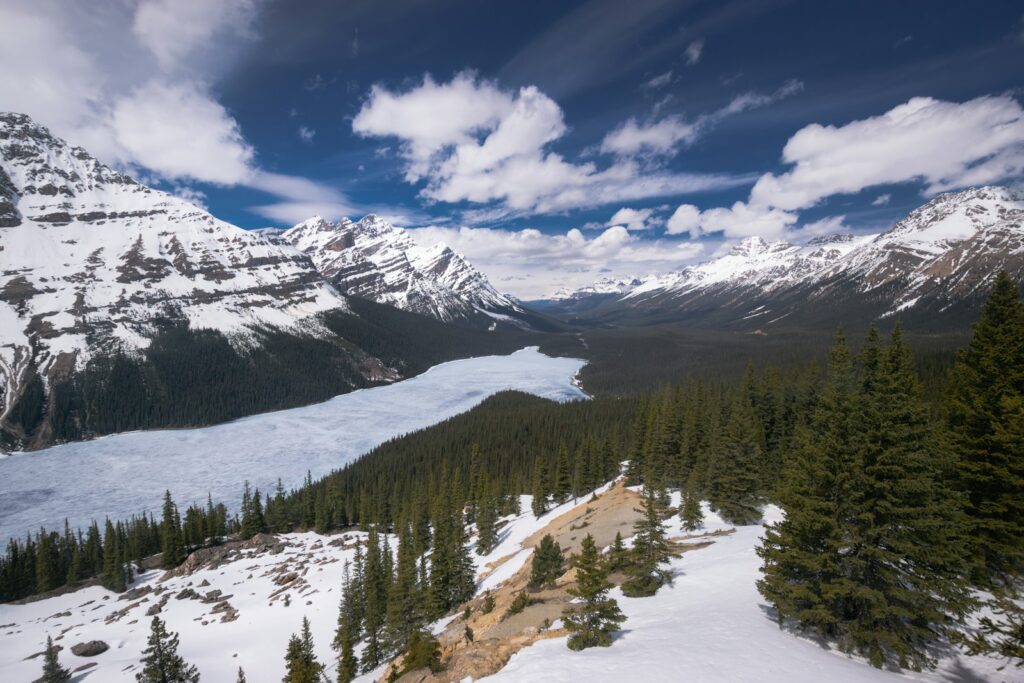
x: 347, y: 632
x: 547, y: 563
x: 53, y: 672
x: 301, y: 665
x: 595, y: 616
x: 738, y: 489
x: 161, y: 662
x: 172, y: 544
x: 985, y: 406
x: 651, y: 550
x: 690, y: 511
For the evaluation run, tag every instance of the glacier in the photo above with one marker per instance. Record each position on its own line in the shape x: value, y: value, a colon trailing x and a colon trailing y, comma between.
x: 124, y: 474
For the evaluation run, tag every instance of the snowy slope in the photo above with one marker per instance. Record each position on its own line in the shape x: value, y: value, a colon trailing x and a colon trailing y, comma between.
x: 89, y: 258
x: 710, y: 625
x: 372, y: 259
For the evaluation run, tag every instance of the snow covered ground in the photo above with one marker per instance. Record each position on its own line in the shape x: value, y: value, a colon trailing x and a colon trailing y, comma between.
x: 124, y: 474
x: 712, y: 626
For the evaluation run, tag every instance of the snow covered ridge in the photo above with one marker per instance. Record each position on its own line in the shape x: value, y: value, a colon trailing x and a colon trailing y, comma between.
x: 372, y: 259
x: 89, y: 257
x: 947, y: 250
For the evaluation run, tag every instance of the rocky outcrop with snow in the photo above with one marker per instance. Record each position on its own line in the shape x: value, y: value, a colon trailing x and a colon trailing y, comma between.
x: 90, y: 260
x: 372, y: 259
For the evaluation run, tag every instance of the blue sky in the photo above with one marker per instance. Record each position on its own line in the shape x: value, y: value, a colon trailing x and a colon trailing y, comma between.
x: 553, y: 143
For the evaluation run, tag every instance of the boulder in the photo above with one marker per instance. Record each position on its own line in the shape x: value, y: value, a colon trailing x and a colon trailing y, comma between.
x: 90, y: 649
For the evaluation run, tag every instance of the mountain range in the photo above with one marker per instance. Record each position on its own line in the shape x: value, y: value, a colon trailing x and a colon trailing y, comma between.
x: 931, y: 269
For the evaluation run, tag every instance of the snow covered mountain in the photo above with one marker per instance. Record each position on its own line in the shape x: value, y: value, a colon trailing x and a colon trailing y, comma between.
x: 372, y: 259
x: 940, y: 259
x: 96, y: 268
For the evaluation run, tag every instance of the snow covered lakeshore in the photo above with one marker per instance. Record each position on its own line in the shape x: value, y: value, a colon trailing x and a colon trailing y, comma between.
x: 123, y: 474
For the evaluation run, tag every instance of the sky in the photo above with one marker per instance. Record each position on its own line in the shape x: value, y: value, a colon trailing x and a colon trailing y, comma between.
x: 552, y: 143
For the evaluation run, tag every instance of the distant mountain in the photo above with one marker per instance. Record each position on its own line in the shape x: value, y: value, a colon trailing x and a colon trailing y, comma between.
x: 372, y: 259
x: 96, y: 270
x: 932, y: 268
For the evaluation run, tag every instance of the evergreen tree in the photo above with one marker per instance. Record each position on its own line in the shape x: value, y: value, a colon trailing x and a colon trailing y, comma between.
x: 114, y: 575
x: 1002, y: 632
x: 985, y: 408
x: 53, y: 672
x: 593, y: 620
x: 690, y: 511
x: 405, y: 613
x: 547, y: 563
x: 539, y: 489
x: 301, y: 665
x: 375, y: 595
x: 618, y: 555
x: 650, y: 551
x: 486, y: 521
x: 347, y: 631
x: 738, y: 487
x: 172, y: 545
x: 241, y: 676
x: 562, y: 483
x: 161, y: 662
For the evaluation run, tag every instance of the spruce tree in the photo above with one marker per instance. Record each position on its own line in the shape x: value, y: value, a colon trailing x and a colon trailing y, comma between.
x: 241, y: 676
x: 985, y: 406
x: 1001, y: 632
x: 172, y: 544
x: 404, y: 613
x: 547, y: 563
x: 690, y: 511
x: 486, y: 521
x: 618, y: 555
x: 651, y: 550
x: 347, y: 632
x: 562, y: 483
x: 53, y: 672
x: 161, y: 662
x: 738, y: 491
x: 301, y: 665
x: 594, y: 616
x: 539, y: 489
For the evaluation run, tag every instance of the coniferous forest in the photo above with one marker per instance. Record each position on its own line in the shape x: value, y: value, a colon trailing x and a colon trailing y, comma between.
x: 904, y: 510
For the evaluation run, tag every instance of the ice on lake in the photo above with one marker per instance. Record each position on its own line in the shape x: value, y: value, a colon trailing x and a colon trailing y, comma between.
x: 124, y: 474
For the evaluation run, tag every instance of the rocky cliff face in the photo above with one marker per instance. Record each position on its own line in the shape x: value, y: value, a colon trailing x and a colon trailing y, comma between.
x: 372, y: 259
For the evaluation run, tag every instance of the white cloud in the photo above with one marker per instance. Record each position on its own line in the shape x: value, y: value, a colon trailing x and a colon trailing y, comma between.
x: 685, y: 219
x: 665, y: 136
x: 882, y: 200
x: 532, y: 264
x: 172, y: 146
x: 744, y: 220
x: 306, y: 134
x: 173, y: 30
x: 694, y: 51
x: 945, y: 145
x: 659, y: 81
x: 824, y: 226
x: 658, y: 137
x: 432, y: 116
x: 300, y: 198
x: 632, y: 219
x: 473, y: 142
x: 84, y: 71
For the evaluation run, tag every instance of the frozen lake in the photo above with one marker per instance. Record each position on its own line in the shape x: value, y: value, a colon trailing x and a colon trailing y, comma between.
x: 124, y: 474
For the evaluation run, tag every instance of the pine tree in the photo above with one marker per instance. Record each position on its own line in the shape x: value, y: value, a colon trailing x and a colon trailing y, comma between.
x: 539, y: 489
x: 596, y: 616
x: 404, y: 614
x: 486, y: 521
x: 986, y: 402
x: 301, y: 665
x: 53, y: 672
x: 347, y: 631
x: 375, y: 585
x: 1001, y: 633
x: 114, y: 576
x: 738, y: 490
x: 241, y: 676
x: 618, y: 555
x: 562, y: 483
x: 690, y: 511
x: 650, y: 551
x: 547, y: 563
x: 161, y: 662
x: 172, y: 545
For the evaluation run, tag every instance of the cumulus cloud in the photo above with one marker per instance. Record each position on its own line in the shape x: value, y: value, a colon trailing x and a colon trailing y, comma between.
x: 471, y: 141
x: 685, y: 219
x: 945, y: 145
x: 306, y: 134
x: 694, y: 51
x: 170, y: 145
x: 531, y: 264
x: 632, y: 219
x: 87, y: 75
